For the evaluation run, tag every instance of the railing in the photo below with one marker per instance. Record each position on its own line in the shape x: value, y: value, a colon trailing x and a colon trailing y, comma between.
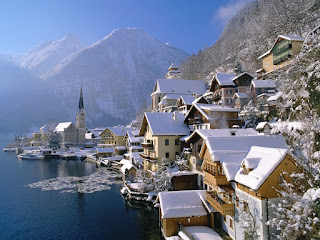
x: 215, y: 180
x: 219, y: 204
x: 181, y: 228
x: 146, y: 157
x: 147, y: 145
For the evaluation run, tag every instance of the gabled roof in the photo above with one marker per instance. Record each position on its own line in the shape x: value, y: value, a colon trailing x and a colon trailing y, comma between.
x: 230, y: 151
x: 162, y: 123
x: 263, y: 84
x: 61, y: 126
x: 240, y: 95
x: 262, y: 125
x: 263, y: 161
x: 187, y: 99
x: 186, y: 203
x: 225, y: 79
x: 119, y: 130
x: 179, y: 86
x: 240, y: 75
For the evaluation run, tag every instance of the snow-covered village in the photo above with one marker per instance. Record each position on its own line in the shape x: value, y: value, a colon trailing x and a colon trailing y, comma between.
x: 222, y: 144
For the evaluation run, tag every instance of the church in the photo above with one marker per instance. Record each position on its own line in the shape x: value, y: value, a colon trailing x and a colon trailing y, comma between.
x: 71, y: 134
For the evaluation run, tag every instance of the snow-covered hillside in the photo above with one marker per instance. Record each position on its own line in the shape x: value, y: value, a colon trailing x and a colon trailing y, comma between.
x: 45, y: 56
x: 117, y: 73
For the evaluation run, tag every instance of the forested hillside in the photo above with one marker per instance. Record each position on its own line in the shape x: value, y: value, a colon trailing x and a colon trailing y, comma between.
x: 250, y: 33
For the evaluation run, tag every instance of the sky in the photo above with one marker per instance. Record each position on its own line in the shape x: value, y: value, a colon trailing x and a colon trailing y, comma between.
x: 186, y: 24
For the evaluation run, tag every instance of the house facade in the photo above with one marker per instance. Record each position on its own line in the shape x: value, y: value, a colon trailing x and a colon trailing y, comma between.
x: 212, y: 116
x: 68, y: 133
x: 162, y: 133
x: 114, y: 136
x: 284, y: 49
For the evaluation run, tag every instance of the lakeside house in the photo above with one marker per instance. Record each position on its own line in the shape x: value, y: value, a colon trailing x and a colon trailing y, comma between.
x: 114, y: 136
x: 162, y: 133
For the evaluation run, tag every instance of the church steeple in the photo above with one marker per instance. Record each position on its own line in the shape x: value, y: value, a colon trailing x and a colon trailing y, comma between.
x: 81, y: 115
x: 174, y: 72
x: 81, y: 100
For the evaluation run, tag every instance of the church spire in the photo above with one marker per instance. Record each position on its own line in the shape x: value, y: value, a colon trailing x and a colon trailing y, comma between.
x: 81, y: 100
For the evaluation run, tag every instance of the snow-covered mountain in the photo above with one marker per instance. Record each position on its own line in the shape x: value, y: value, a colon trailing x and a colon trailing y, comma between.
x: 45, y: 56
x: 117, y: 74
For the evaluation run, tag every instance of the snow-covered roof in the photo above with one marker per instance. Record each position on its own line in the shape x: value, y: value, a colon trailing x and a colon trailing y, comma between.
x: 240, y: 95
x: 187, y: 99
x: 119, y: 130
x: 225, y: 79
x: 202, y: 232
x: 292, y: 38
x: 187, y: 203
x: 264, y: 84
x: 126, y: 165
x: 63, y: 125
x: 166, y: 123
x: 179, y: 86
x: 105, y: 150
x: 48, y: 127
x: 172, y: 96
x: 225, y: 132
x: 262, y: 125
x: 263, y: 161
x: 211, y: 108
x: 121, y: 148
x: 265, y: 54
x: 275, y: 97
x: 240, y: 75
x: 230, y: 151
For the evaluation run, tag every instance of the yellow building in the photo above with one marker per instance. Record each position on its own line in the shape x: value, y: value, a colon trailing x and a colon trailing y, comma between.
x: 36, y: 139
x: 114, y: 136
x: 162, y: 133
x: 281, y: 54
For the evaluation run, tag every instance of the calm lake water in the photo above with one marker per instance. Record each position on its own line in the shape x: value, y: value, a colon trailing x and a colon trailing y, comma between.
x: 78, y: 202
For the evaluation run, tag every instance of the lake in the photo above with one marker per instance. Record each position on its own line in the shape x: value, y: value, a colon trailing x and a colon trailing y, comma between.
x: 57, y: 199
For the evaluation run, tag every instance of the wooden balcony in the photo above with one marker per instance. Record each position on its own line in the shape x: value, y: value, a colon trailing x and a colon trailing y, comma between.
x: 213, y: 181
x: 147, y: 157
x: 148, y: 145
x: 225, y: 208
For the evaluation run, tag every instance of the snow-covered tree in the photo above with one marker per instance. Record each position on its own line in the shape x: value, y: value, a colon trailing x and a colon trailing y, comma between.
x: 250, y: 115
x: 54, y: 140
x: 163, y: 176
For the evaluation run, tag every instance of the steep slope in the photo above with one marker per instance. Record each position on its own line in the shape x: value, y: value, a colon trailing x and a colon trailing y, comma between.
x: 251, y: 32
x: 44, y: 57
x: 117, y: 74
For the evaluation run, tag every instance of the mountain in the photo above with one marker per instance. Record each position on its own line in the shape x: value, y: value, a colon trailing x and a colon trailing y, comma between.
x: 45, y: 56
x: 117, y: 73
x: 251, y: 32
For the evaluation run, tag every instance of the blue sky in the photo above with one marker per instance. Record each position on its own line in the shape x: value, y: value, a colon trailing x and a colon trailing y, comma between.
x: 186, y: 24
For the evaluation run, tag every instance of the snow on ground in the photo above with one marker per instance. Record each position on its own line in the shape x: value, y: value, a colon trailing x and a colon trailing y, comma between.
x: 202, y: 233
x: 100, y: 180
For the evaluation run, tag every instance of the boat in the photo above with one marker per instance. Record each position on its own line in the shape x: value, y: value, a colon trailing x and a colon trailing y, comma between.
x: 30, y: 156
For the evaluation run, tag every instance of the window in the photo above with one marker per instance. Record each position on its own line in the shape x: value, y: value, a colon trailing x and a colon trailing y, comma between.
x: 176, y: 141
x: 167, y: 154
x: 280, y: 179
x: 229, y: 100
x: 177, y: 153
x: 225, y: 218
x: 166, y: 142
x: 229, y: 91
x: 245, y: 206
x: 231, y: 223
x: 237, y: 201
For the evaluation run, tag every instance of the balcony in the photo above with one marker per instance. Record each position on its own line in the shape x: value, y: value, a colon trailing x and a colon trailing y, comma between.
x: 148, y: 145
x: 223, y: 207
x: 213, y: 181
x: 147, y: 157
